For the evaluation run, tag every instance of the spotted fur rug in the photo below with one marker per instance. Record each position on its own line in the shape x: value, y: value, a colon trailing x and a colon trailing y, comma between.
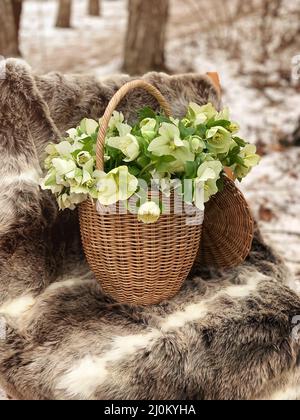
x: 226, y: 335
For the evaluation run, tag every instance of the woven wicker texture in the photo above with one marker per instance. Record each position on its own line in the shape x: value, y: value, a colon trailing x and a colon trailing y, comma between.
x: 134, y: 262
x: 228, y: 229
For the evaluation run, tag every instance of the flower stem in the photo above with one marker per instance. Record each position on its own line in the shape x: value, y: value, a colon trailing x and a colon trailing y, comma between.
x: 146, y: 167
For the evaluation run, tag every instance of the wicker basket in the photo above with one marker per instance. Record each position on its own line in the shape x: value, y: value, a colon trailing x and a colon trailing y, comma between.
x: 137, y: 263
x: 228, y: 229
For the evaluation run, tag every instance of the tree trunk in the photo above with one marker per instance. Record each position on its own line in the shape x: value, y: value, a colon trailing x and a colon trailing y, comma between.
x: 146, y: 36
x: 296, y: 135
x: 94, y: 8
x: 293, y: 139
x: 17, y: 10
x: 8, y: 34
x: 64, y: 14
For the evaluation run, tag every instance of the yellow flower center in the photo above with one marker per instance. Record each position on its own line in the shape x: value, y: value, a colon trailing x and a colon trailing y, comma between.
x: 90, y: 183
x: 172, y: 145
x: 218, y: 137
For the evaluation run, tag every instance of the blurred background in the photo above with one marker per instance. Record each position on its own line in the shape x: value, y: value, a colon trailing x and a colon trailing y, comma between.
x: 254, y: 45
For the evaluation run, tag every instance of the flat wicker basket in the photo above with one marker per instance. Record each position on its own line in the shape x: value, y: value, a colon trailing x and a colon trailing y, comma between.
x: 137, y: 263
x: 228, y: 229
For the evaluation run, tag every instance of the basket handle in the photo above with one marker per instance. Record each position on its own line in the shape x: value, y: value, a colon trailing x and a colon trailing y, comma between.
x: 112, y: 105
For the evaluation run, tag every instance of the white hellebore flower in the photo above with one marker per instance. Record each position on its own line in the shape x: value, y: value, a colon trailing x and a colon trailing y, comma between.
x: 148, y: 128
x: 206, y: 182
x: 66, y: 201
x: 149, y: 212
x: 50, y: 182
x: 83, y: 157
x: 88, y: 126
x: 63, y: 166
x: 250, y: 159
x: 224, y: 114
x: 51, y: 149
x: 200, y: 114
x: 218, y: 140
x: 169, y: 143
x: 126, y: 142
x: 72, y: 133
x: 64, y: 148
x: 197, y: 144
x: 116, y: 119
x: 117, y: 185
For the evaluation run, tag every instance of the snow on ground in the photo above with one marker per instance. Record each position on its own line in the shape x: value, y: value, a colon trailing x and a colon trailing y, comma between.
x: 90, y: 43
x: 272, y: 190
x: 265, y: 116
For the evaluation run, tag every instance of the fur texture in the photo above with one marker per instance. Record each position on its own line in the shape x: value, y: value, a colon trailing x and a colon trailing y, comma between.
x: 226, y: 335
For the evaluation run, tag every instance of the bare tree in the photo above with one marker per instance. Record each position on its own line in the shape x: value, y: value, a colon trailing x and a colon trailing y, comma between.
x: 8, y: 34
x: 296, y: 135
x: 94, y: 8
x: 64, y: 14
x: 270, y: 10
x: 146, y: 36
x: 293, y: 139
x: 17, y: 11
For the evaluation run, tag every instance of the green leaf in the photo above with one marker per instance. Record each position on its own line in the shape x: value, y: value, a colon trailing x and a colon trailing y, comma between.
x: 221, y: 123
x: 240, y: 142
x: 88, y: 145
x: 163, y: 163
x: 136, y: 131
x: 146, y: 112
x: 240, y: 161
x: 201, y: 130
x: 227, y: 162
x: 167, y: 158
x: 235, y: 151
x: 200, y: 158
x: 186, y: 131
x: 191, y: 169
x: 162, y: 118
x: 143, y: 161
x: 134, y: 170
x: 146, y: 177
x: 94, y: 136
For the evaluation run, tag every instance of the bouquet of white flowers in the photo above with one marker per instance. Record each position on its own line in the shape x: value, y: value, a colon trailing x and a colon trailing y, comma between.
x: 161, y: 151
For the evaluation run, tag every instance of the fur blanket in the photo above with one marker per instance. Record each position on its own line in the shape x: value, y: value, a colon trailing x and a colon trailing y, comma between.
x: 226, y: 335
